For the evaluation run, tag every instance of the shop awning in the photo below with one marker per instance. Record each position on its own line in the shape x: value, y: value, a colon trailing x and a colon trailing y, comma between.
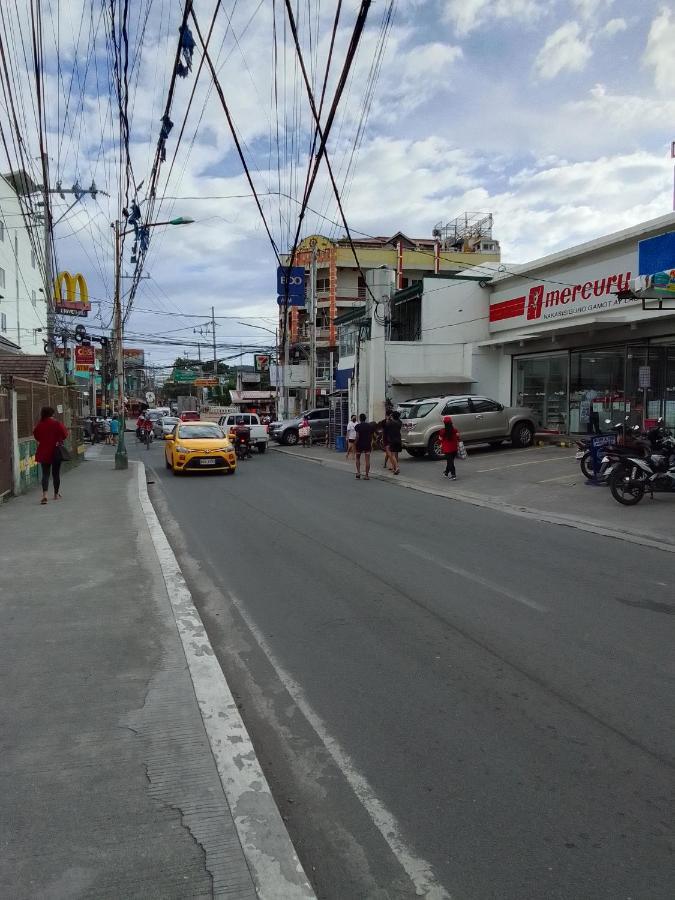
x: 432, y: 379
x: 565, y: 326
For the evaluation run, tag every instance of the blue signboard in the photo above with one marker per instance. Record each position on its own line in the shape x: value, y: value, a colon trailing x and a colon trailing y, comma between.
x: 291, y: 282
x: 656, y: 254
x: 292, y: 301
x: 599, y: 443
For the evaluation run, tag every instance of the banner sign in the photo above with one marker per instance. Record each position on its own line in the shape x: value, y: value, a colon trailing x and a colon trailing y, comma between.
x: 291, y: 280
x: 208, y: 381
x: 85, y: 358
x: 67, y: 287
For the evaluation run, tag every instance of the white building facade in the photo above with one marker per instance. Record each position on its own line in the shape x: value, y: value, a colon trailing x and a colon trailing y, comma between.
x: 561, y: 334
x: 23, y: 308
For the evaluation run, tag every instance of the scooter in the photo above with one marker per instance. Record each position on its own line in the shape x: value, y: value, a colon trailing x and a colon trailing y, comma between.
x: 241, y: 438
x: 627, y: 440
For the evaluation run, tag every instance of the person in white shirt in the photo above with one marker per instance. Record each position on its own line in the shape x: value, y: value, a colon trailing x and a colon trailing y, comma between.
x: 351, y: 437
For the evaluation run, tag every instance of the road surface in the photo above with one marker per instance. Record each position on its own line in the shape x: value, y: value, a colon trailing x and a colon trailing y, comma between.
x: 447, y: 701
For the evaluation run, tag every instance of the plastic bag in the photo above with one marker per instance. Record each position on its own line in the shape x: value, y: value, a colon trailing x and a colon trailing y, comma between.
x: 461, y: 451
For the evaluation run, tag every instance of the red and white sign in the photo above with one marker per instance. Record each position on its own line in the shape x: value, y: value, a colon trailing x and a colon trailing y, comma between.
x: 564, y: 294
x: 85, y: 358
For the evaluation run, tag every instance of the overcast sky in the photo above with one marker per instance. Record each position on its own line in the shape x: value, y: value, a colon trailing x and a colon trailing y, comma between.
x: 555, y: 116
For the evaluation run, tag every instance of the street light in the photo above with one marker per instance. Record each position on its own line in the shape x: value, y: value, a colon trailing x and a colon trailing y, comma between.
x: 121, y: 457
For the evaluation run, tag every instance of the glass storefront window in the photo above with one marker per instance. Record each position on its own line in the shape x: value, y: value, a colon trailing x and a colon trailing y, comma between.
x: 540, y: 382
x: 597, y: 388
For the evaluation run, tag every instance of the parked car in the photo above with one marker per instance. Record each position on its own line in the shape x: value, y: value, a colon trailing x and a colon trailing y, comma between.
x: 259, y: 435
x: 164, y: 425
x: 478, y: 419
x: 189, y: 415
x: 286, y: 432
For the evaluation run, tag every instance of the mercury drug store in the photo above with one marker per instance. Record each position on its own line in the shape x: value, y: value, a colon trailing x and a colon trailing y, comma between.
x: 575, y: 341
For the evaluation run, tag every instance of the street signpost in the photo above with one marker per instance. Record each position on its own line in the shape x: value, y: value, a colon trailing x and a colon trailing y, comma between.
x: 184, y: 376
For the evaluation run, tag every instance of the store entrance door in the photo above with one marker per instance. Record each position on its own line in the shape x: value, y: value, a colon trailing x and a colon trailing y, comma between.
x: 541, y: 382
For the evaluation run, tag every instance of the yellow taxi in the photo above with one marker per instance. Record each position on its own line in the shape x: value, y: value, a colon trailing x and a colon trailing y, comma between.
x: 199, y: 447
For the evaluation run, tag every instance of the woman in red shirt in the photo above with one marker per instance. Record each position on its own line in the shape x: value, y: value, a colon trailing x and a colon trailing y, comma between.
x: 49, y: 434
x: 449, y: 446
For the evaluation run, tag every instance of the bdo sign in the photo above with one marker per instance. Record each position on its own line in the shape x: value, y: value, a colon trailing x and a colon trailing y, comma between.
x: 291, y: 284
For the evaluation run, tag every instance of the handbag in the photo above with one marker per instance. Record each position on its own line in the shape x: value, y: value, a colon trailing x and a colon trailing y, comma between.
x: 61, y: 454
x: 461, y: 450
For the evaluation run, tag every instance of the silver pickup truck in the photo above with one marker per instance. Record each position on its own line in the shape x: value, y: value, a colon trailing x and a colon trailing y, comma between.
x: 478, y: 420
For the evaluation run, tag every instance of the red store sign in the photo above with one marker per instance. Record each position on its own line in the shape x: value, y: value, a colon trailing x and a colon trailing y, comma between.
x: 85, y: 358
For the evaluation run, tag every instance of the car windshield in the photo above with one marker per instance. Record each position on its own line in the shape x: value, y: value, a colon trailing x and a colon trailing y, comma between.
x: 192, y: 432
x: 416, y: 410
x: 169, y: 420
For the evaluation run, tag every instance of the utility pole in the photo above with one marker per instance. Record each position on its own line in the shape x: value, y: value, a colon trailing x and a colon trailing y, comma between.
x: 312, y: 328
x: 215, y: 358
x: 287, y: 359
x: 49, y: 275
x: 121, y: 457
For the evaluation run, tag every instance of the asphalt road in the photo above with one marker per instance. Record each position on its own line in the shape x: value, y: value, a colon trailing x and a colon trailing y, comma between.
x: 447, y: 701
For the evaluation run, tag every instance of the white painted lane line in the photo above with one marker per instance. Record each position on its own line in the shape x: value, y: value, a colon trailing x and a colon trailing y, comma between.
x: 570, y: 475
x: 530, y: 462
x: 418, y: 870
x: 477, y: 579
x: 271, y: 857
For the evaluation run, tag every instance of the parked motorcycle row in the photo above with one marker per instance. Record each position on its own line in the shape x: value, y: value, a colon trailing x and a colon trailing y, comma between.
x: 637, y: 463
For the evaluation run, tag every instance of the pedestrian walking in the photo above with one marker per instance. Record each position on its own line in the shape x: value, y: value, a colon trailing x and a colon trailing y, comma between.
x: 50, y: 435
x: 394, y: 445
x: 364, y: 443
x: 383, y: 426
x: 107, y: 430
x: 449, y: 446
x: 114, y: 431
x: 305, y: 432
x: 351, y: 437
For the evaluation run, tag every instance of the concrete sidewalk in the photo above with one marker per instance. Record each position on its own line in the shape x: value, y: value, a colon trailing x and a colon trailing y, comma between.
x: 111, y: 783
x: 541, y: 482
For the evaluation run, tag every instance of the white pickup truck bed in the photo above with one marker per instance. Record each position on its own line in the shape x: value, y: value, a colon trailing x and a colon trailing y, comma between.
x: 259, y: 436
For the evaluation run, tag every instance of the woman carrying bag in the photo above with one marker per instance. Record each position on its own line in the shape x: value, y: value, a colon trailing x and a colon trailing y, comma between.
x: 50, y: 435
x: 450, y: 445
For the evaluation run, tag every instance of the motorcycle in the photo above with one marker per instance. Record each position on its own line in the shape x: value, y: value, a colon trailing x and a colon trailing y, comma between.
x: 634, y: 476
x: 241, y: 438
x: 628, y: 440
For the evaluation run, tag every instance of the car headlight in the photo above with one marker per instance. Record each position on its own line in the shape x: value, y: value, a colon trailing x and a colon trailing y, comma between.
x: 180, y: 449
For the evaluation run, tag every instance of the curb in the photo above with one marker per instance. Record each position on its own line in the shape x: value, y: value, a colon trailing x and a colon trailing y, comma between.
x: 274, y: 865
x: 523, y: 512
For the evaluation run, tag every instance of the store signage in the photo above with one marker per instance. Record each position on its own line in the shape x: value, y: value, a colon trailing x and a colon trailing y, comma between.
x: 71, y: 296
x: 209, y: 381
x: 564, y: 294
x: 291, y: 281
x: 85, y: 359
x: 645, y: 376
x: 261, y: 362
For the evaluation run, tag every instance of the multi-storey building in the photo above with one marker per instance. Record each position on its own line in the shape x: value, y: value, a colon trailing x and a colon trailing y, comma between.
x: 23, y: 307
x: 340, y: 287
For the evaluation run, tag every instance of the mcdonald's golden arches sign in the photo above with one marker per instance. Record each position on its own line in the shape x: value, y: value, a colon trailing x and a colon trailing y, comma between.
x: 71, y: 295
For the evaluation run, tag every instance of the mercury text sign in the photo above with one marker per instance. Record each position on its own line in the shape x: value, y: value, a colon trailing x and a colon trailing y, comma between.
x: 574, y: 290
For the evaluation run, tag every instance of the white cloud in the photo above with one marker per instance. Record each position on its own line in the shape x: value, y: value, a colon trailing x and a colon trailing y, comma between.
x: 563, y: 50
x: 467, y: 15
x: 614, y: 26
x: 660, y: 52
x: 588, y: 9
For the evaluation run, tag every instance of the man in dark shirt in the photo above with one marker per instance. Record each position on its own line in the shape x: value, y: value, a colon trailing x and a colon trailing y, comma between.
x: 364, y: 443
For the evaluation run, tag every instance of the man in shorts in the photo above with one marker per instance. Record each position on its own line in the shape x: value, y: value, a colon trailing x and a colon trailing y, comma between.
x: 364, y: 443
x: 351, y: 437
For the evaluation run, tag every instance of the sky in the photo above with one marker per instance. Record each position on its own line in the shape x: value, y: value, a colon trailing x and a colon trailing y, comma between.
x: 556, y: 116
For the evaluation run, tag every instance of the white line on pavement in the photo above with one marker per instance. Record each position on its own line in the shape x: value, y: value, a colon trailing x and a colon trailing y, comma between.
x: 530, y: 462
x: 271, y: 857
x: 574, y: 475
x: 419, y: 870
x: 477, y: 579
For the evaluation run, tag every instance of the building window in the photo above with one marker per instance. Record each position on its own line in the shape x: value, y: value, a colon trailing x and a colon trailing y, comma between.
x: 407, y: 321
x: 33, y: 298
x: 2, y: 231
x: 3, y: 322
x: 322, y: 285
x: 347, y: 340
x: 2, y: 278
x: 361, y: 288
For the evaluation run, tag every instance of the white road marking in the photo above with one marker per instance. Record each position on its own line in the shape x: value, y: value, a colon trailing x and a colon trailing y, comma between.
x: 271, y: 857
x: 418, y: 870
x: 477, y: 579
x: 530, y: 462
x: 569, y: 475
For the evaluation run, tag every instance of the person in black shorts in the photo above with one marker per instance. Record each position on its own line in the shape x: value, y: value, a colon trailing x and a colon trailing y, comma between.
x: 394, y: 445
x: 364, y: 443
